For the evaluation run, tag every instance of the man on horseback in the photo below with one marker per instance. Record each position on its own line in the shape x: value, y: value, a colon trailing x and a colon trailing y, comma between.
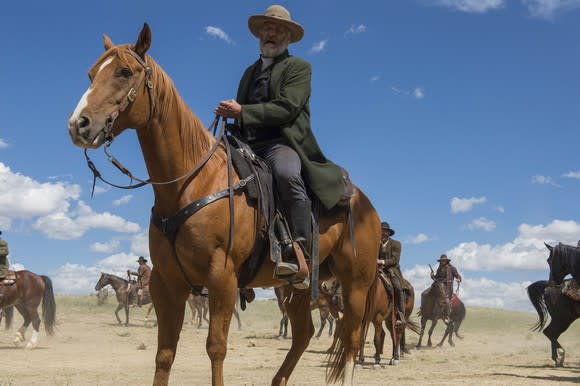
x: 4, y: 262
x: 443, y: 282
x: 388, y: 261
x: 272, y: 114
x: 143, y: 274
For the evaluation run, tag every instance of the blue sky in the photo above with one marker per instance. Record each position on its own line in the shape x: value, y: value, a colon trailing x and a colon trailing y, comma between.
x: 458, y: 118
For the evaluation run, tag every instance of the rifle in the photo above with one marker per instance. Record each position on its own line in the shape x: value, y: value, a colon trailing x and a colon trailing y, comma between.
x: 431, y: 268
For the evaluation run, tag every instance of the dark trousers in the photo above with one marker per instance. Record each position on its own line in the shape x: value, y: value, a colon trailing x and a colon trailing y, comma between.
x: 286, y: 170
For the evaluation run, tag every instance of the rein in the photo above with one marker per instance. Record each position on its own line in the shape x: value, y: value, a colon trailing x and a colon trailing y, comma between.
x: 142, y: 182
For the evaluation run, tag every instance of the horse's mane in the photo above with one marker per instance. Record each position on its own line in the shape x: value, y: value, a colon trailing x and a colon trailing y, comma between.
x: 195, y: 140
x: 569, y: 251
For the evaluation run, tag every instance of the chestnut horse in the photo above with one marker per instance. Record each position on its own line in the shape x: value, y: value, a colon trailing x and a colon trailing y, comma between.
x: 185, y: 163
x: 28, y: 290
x: 381, y: 308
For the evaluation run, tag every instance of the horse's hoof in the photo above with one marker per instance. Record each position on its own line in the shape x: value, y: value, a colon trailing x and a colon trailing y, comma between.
x: 377, y: 366
x: 31, y: 346
x: 394, y: 362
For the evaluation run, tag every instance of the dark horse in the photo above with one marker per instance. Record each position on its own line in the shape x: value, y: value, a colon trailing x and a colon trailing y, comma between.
x: 381, y: 308
x: 121, y: 288
x: 563, y: 310
x: 432, y: 309
x: 564, y: 260
x: 28, y: 290
x: 187, y: 166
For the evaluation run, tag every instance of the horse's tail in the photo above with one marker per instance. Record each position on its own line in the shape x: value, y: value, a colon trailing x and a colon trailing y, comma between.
x: 8, y: 315
x: 536, y: 295
x: 48, y: 306
x: 413, y: 326
x: 459, y: 317
x: 337, y: 353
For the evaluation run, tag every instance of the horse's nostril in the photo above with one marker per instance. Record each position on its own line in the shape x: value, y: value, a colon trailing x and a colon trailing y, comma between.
x: 84, y: 121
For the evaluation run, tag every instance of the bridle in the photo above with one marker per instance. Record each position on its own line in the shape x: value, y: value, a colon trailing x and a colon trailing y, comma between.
x: 109, y: 137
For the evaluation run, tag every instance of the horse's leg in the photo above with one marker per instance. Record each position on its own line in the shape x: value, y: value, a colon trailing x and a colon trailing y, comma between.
x: 222, y: 288
x: 330, y: 324
x: 447, y: 332
x: 553, y: 332
x: 199, y: 315
x: 21, y: 333
x: 379, y: 341
x: 423, y: 324
x: 170, y: 307
x: 126, y: 314
x: 433, y: 324
x: 298, y: 310
x: 119, y: 307
x: 285, y: 318
x: 35, y: 319
x: 237, y: 315
x: 148, y: 312
x: 322, y: 324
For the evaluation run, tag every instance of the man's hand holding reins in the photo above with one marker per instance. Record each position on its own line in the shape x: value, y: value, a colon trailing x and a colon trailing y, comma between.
x: 229, y: 109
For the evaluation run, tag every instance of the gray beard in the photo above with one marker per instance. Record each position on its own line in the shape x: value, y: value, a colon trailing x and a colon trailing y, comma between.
x: 268, y: 52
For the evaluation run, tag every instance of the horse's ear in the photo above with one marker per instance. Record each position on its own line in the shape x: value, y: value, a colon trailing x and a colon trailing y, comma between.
x: 548, y: 246
x: 144, y: 41
x: 107, y: 42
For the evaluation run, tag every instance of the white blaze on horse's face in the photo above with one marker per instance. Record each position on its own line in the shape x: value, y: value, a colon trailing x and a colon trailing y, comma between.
x: 99, y: 105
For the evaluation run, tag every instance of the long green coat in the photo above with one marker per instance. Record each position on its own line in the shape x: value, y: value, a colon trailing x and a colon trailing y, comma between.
x: 289, y: 109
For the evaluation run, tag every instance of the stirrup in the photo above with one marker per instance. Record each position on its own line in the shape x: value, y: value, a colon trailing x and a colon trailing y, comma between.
x: 302, y: 284
x: 286, y: 269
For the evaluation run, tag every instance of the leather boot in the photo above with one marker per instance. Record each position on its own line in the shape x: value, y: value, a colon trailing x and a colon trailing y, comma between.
x: 401, y: 307
x: 299, y: 221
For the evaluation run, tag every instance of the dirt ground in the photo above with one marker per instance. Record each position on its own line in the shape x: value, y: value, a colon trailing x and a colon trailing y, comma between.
x: 89, y: 348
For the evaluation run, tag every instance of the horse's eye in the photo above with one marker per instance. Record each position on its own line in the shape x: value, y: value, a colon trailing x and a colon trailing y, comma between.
x: 126, y: 72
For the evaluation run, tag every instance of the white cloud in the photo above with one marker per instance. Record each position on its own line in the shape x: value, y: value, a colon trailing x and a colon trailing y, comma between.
x: 482, y: 223
x: 318, y: 46
x: 356, y: 29
x: 218, y: 33
x: 500, y: 209
x: 67, y: 226
x: 575, y: 175
x: 375, y: 78
x: 78, y: 279
x: 3, y: 144
x: 108, y: 247
x: 123, y: 200
x: 471, y: 6
x: 465, y: 204
x: 547, y: 8
x: 418, y: 239
x: 419, y: 93
x: 543, y: 180
x: 140, y: 243
x: 481, y: 292
x: 526, y: 252
x: 24, y: 198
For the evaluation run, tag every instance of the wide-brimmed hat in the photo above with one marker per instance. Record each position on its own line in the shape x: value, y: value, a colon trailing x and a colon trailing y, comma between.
x: 385, y: 225
x: 276, y: 14
x: 141, y: 260
x: 444, y: 258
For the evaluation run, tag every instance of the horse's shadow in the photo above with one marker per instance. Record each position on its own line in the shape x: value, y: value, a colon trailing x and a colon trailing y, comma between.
x: 549, y: 378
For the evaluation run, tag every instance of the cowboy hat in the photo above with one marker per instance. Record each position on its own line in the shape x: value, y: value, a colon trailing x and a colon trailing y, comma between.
x: 385, y: 225
x: 141, y: 259
x: 279, y: 15
x: 444, y: 258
